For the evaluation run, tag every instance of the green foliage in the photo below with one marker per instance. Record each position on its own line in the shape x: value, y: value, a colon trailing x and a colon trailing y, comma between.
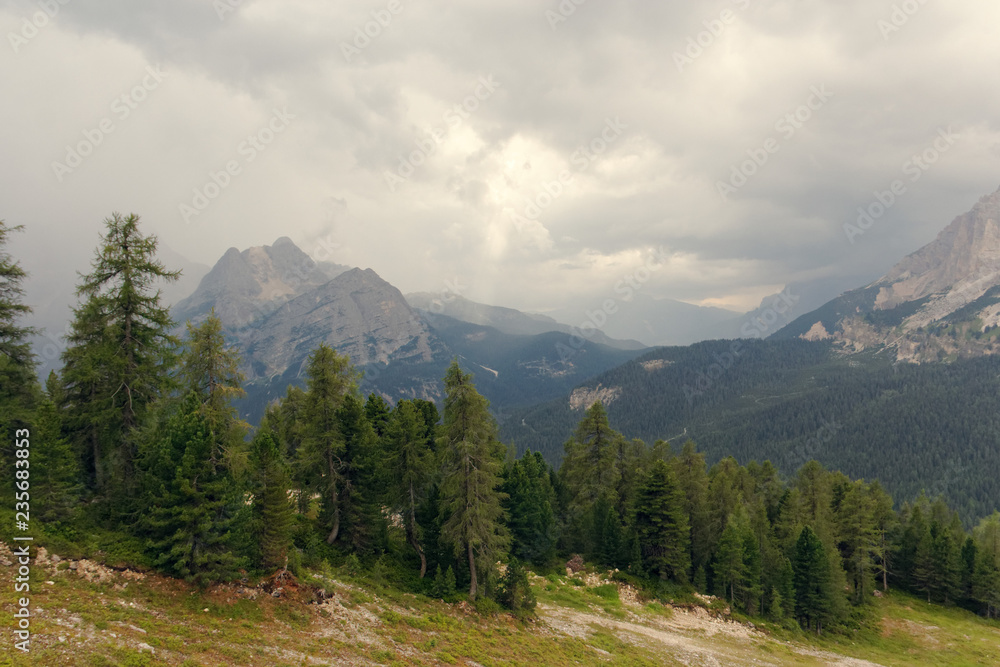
x: 18, y: 386
x: 813, y: 592
x: 661, y: 525
x: 444, y: 586
x: 191, y: 500
x: 470, y: 489
x: 515, y: 590
x: 272, y: 511
x: 119, y: 356
x: 530, y: 508
x: 409, y: 468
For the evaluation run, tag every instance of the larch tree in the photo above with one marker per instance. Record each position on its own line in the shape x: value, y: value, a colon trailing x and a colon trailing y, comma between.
x: 473, y: 461
x: 320, y: 469
x: 120, y: 352
x: 410, y: 465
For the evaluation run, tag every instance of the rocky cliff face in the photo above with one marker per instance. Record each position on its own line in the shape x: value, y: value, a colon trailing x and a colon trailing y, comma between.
x: 246, y: 286
x: 357, y: 313
x: 941, y: 302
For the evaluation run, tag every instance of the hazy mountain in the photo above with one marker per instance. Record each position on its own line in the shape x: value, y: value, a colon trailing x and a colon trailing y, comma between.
x: 653, y: 321
x: 941, y: 302
x: 506, y: 320
x: 245, y: 286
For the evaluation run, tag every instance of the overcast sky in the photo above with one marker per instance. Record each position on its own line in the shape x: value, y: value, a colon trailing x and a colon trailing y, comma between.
x: 358, y: 145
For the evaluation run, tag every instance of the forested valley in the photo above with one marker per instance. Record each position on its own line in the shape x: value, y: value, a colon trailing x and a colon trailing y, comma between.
x: 136, y: 450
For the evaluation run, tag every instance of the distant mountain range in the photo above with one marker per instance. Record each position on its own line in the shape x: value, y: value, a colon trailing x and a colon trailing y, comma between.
x: 938, y: 304
x: 277, y: 305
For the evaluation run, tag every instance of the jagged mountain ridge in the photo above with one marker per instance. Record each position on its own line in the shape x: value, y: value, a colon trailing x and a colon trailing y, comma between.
x: 940, y: 302
x: 277, y: 305
x: 244, y: 286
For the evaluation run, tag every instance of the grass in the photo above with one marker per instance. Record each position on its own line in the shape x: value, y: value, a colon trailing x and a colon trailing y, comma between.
x: 104, y: 625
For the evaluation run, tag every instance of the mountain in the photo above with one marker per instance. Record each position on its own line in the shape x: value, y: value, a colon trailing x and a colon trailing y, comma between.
x: 931, y: 428
x: 506, y: 320
x: 244, y: 286
x: 940, y: 303
x: 278, y: 305
x: 356, y: 312
x: 652, y: 320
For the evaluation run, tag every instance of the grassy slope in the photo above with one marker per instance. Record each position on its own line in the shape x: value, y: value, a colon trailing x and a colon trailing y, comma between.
x: 117, y: 620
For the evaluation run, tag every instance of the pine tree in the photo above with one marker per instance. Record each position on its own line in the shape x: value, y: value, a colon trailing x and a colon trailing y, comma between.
x: 410, y: 463
x: 192, y: 502
x: 211, y: 371
x: 363, y: 527
x: 272, y: 511
x: 589, y: 468
x: 515, y: 590
x: 813, y: 593
x: 120, y: 353
x: 473, y: 462
x: 860, y: 539
x: 530, y: 508
x: 729, y: 568
x: 18, y: 385
x: 693, y: 479
x: 55, y: 478
x: 661, y: 525
x: 330, y: 378
x: 377, y: 412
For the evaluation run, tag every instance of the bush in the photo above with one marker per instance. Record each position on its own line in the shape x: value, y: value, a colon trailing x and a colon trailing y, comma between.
x: 515, y: 590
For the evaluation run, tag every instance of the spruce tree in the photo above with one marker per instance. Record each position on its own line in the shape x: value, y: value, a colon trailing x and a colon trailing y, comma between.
x: 120, y: 353
x: 729, y: 567
x: 661, y: 525
x: 192, y: 501
x: 410, y: 464
x: 18, y: 385
x: 590, y: 465
x: 470, y: 490
x: 860, y: 540
x: 330, y: 378
x: 272, y: 511
x: 693, y: 479
x: 55, y: 477
x: 531, y: 509
x: 813, y: 592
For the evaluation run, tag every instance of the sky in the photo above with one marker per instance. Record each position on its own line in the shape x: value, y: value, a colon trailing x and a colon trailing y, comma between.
x: 524, y: 153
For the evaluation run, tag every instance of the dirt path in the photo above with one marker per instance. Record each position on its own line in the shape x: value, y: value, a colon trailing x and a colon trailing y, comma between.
x: 695, y: 638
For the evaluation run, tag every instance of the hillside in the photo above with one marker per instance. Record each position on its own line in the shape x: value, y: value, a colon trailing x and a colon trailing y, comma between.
x: 935, y: 426
x: 938, y: 303
x: 89, y: 614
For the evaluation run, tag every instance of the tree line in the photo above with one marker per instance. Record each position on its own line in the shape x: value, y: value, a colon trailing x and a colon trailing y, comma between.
x: 138, y: 434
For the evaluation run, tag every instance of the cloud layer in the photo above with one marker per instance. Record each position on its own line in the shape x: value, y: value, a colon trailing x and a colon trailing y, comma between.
x: 534, y: 152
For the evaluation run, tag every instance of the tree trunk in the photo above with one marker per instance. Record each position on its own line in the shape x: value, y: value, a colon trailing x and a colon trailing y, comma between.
x: 473, y: 583
x: 334, y: 500
x: 411, y: 533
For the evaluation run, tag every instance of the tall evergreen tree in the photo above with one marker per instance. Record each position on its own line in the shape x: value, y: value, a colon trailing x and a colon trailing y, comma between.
x: 473, y: 463
x: 590, y: 465
x: 55, y: 476
x: 272, y: 511
x: 813, y: 592
x: 17, y: 363
x: 211, y: 371
x: 330, y: 378
x: 410, y: 465
x: 191, y: 501
x: 120, y: 353
x: 531, y: 509
x: 661, y: 525
x: 860, y: 540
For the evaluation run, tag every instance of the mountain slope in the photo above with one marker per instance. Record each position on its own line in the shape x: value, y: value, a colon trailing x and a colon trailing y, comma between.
x: 506, y: 320
x: 939, y: 303
x: 931, y: 427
